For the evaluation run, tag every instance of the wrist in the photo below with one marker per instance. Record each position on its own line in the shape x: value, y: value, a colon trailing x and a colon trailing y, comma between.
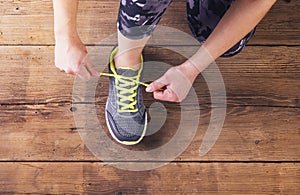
x: 66, y: 35
x: 189, y: 70
x: 64, y: 29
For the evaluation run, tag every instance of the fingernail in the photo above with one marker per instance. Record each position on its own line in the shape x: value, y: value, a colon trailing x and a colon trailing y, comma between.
x: 148, y: 89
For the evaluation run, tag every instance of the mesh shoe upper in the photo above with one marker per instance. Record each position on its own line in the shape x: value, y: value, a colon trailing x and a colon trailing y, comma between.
x: 125, y: 110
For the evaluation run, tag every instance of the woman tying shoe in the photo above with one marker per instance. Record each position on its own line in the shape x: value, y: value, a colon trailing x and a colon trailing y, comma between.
x: 223, y: 26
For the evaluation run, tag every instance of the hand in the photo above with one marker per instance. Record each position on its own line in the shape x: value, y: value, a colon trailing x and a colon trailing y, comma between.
x: 174, y: 85
x: 71, y: 56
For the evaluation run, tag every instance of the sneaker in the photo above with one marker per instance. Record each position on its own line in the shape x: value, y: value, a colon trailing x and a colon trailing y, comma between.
x: 126, y: 115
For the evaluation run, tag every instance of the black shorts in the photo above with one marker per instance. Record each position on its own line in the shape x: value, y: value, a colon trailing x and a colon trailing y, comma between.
x: 138, y: 18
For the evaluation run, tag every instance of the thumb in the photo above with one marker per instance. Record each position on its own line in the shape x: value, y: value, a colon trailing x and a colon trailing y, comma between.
x: 155, y: 86
x: 90, y: 68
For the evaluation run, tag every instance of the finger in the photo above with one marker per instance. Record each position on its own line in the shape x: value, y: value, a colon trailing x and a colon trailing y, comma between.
x: 59, y: 68
x: 166, y: 95
x: 68, y: 71
x: 84, y: 74
x: 91, y: 68
x: 155, y: 86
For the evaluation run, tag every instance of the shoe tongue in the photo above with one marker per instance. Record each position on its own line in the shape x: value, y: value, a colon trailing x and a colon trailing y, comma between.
x: 127, y: 72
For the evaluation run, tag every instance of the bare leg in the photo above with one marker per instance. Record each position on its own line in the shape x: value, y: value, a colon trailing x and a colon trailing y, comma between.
x: 129, y: 53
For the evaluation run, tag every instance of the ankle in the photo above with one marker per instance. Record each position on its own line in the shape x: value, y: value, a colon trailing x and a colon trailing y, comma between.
x: 127, y: 61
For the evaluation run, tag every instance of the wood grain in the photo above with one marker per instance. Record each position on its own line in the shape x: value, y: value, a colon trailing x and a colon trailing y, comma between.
x: 41, y: 151
x: 48, y: 132
x: 265, y: 77
x: 175, y: 178
x: 97, y: 20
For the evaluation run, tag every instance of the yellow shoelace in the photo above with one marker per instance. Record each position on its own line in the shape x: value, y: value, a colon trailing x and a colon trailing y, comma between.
x: 122, y: 82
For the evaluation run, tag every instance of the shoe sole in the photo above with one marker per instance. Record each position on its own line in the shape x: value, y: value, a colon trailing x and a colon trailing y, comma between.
x: 127, y: 143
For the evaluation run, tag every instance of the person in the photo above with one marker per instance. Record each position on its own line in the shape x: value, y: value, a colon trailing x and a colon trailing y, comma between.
x: 222, y: 26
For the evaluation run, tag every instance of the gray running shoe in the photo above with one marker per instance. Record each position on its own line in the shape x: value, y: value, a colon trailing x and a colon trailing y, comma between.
x: 126, y: 115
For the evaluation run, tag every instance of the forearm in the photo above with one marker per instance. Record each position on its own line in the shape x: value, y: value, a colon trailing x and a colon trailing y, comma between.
x: 65, y: 13
x: 239, y: 20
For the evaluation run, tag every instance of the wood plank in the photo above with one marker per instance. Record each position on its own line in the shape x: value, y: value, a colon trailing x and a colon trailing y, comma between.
x: 280, y: 26
x: 48, y: 132
x: 175, y: 178
x: 266, y: 75
x: 31, y: 71
x: 39, y: 132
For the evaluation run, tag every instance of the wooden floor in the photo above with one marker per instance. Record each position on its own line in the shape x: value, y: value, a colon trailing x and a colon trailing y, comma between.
x: 41, y: 152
